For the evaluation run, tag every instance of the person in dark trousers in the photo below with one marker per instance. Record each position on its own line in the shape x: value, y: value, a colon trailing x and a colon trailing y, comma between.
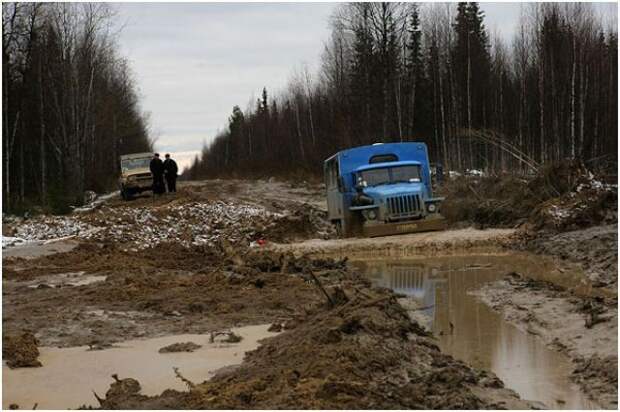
x: 170, y: 170
x: 157, y: 170
x: 439, y: 171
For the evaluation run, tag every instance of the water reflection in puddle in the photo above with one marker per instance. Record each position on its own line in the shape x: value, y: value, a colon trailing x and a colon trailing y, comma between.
x: 470, y: 331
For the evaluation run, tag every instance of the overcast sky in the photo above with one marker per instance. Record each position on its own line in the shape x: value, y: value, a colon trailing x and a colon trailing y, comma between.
x: 194, y: 61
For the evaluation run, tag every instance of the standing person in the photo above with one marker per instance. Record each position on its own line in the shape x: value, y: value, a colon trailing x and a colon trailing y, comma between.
x: 157, y: 170
x: 171, y: 169
x: 439, y: 172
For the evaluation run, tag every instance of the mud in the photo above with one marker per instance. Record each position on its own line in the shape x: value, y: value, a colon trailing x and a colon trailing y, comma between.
x: 194, y: 292
x: 364, y: 353
x: 19, y: 351
x: 468, y: 240
x: 585, y: 329
x: 199, y: 214
x: 594, y: 248
x: 560, y: 197
x: 223, y: 254
x: 180, y: 347
x: 37, y: 249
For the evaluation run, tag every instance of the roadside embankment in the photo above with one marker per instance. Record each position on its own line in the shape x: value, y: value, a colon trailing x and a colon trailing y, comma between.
x: 427, y: 243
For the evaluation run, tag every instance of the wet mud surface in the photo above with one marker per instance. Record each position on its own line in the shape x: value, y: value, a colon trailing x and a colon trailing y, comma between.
x: 469, y: 239
x: 594, y: 248
x: 584, y: 329
x: 362, y: 352
x: 141, y: 297
x: 37, y: 249
x: 262, y: 253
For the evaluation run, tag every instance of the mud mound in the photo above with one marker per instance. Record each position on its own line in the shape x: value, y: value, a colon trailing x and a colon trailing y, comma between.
x: 125, y: 394
x: 20, y: 351
x: 595, y: 248
x: 562, y: 196
x: 364, y: 353
x: 599, y: 376
x: 304, y: 222
x: 497, y: 201
x: 180, y: 347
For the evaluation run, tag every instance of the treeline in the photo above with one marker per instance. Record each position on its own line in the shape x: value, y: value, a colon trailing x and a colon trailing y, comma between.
x: 69, y: 105
x: 397, y: 72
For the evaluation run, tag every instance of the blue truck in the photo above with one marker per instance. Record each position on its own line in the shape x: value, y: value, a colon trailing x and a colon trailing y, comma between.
x: 381, y: 189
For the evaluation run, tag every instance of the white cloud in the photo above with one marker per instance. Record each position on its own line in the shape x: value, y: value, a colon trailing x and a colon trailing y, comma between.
x: 194, y: 61
x: 184, y: 159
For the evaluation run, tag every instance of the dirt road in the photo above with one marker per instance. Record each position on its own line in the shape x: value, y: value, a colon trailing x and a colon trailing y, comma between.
x: 222, y: 254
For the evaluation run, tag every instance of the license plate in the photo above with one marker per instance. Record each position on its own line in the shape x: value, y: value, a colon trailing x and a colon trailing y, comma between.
x: 407, y: 227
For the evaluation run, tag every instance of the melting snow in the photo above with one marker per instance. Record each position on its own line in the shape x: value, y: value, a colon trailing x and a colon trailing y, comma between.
x: 194, y: 223
x: 9, y: 241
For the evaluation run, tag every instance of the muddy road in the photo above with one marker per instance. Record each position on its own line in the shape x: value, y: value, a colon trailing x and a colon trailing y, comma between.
x: 353, y: 323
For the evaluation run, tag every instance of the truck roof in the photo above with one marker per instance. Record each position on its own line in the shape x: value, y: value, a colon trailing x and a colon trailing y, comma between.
x: 351, y: 159
x: 136, y: 155
x: 388, y: 164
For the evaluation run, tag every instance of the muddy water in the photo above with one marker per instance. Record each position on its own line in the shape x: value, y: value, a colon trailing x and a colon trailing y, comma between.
x: 69, y: 375
x: 40, y: 248
x: 437, y: 291
x: 66, y: 279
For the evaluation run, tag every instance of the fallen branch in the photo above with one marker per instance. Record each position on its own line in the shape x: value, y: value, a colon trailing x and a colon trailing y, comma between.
x: 320, y: 286
x: 97, y: 397
x: 191, y: 385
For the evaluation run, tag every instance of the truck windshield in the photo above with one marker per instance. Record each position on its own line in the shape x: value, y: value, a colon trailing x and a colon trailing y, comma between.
x: 130, y: 164
x: 386, y: 175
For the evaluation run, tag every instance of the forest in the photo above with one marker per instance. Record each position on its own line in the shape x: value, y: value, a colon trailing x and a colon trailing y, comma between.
x: 69, y: 104
x: 395, y: 72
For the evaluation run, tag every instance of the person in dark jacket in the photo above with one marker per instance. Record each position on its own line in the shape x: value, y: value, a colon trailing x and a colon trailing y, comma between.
x: 157, y: 170
x: 171, y: 170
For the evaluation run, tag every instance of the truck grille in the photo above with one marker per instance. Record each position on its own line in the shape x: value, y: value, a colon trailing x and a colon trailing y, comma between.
x: 144, y: 176
x: 400, y: 207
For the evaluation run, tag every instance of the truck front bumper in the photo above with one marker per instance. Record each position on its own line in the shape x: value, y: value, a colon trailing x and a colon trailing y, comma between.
x: 429, y: 223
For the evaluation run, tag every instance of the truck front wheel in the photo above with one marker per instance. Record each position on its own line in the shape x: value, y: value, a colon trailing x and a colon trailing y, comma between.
x: 125, y: 195
x: 338, y: 227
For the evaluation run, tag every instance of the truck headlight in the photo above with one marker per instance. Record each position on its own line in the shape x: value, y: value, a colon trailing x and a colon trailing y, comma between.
x: 431, y: 207
x: 370, y: 214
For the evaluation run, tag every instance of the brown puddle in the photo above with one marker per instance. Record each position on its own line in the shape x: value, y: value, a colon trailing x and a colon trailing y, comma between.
x: 69, y: 375
x: 470, y: 331
x: 39, y: 248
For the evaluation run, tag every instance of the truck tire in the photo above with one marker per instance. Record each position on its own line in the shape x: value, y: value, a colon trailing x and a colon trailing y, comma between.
x: 125, y: 195
x: 354, y: 226
x: 338, y: 227
x: 351, y: 227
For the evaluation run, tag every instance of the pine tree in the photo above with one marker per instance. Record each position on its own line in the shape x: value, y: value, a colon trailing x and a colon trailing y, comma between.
x: 414, y: 66
x: 362, y: 75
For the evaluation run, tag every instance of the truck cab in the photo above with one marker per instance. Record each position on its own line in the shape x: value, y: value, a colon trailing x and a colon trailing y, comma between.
x: 381, y: 189
x: 135, y: 174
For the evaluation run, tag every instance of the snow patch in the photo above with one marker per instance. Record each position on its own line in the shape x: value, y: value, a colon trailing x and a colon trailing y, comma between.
x: 10, y: 241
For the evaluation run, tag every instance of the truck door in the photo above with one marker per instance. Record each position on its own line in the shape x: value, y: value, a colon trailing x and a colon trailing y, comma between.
x: 334, y: 196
